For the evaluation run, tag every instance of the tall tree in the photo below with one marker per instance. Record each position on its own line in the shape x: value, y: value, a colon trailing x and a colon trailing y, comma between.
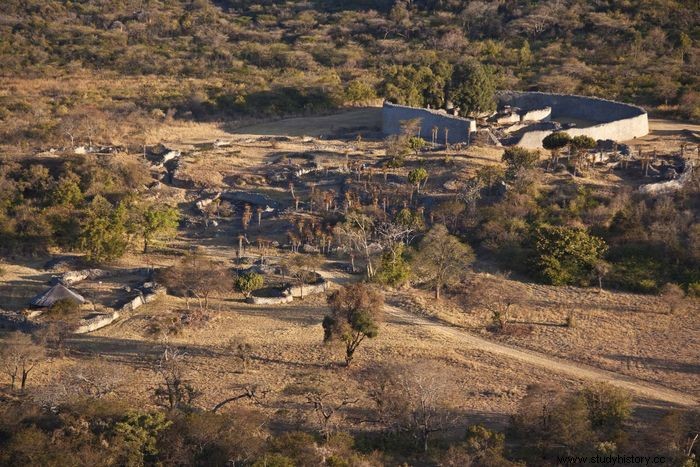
x: 473, y: 89
x: 156, y: 223
x: 441, y: 257
x: 356, y: 311
x: 103, y: 235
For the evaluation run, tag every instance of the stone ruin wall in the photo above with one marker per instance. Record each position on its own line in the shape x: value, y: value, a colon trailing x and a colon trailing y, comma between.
x: 458, y: 128
x: 616, y: 121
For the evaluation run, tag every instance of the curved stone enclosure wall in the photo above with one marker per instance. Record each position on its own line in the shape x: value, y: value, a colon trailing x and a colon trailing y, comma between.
x: 614, y: 120
x: 458, y: 128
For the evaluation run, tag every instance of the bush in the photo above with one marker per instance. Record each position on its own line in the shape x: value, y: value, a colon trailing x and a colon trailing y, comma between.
x: 517, y: 159
x: 693, y: 289
x: 394, y: 270
x: 567, y: 255
x: 249, y: 282
x: 65, y: 306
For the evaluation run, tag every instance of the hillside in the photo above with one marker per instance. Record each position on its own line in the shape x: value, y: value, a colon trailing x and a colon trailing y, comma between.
x: 146, y: 61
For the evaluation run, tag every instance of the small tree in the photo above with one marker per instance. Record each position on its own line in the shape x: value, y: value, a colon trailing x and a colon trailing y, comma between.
x: 417, y: 176
x: 157, y: 223
x: 249, y: 282
x: 393, y: 270
x: 608, y: 407
x: 356, y: 311
x: 517, y: 159
x: 441, y: 257
x: 64, y: 306
x: 555, y: 142
x: 103, y: 231
x: 175, y: 391
x: 567, y: 255
x: 19, y: 355
x: 303, y: 268
x: 198, y: 277
x: 578, y: 146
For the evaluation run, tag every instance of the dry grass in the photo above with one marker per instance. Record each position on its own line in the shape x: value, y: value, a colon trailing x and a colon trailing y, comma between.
x: 622, y: 332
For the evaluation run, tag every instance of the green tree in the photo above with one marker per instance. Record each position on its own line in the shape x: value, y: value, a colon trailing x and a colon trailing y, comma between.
x: 567, y: 255
x: 417, y: 176
x: 356, y: 311
x: 103, y: 235
x: 441, y: 257
x: 555, y: 142
x: 359, y: 92
x: 249, y: 282
x: 473, y: 89
x: 393, y: 269
x: 608, y: 408
x: 140, y: 432
x: 518, y: 159
x: 579, y: 146
x: 157, y: 223
x: 67, y: 191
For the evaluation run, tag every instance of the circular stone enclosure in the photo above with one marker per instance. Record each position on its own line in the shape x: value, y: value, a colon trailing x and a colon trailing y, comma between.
x: 611, y: 120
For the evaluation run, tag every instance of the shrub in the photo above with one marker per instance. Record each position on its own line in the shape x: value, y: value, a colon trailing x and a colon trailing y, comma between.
x: 608, y: 407
x: 394, y: 270
x: 567, y: 255
x: 693, y: 288
x: 249, y: 282
x: 517, y: 159
x: 65, y: 306
x: 274, y: 460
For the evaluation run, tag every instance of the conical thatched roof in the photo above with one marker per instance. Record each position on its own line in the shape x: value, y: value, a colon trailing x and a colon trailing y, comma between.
x: 54, y: 294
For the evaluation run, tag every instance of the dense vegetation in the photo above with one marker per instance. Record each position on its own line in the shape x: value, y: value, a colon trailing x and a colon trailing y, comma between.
x: 415, y: 429
x: 197, y: 58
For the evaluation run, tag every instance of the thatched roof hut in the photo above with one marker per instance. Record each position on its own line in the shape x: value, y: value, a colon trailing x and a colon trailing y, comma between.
x: 57, y: 292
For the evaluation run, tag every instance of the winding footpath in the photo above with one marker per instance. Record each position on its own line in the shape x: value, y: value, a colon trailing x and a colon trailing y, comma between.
x: 557, y: 365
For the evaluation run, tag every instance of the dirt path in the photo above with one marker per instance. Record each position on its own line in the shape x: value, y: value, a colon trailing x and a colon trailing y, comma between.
x: 553, y: 364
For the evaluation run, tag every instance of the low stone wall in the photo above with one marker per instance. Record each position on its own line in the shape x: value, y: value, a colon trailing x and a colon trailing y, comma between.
x: 671, y: 185
x: 290, y: 293
x: 615, y: 121
x: 97, y: 322
x: 269, y: 300
x: 458, y: 128
x: 311, y: 289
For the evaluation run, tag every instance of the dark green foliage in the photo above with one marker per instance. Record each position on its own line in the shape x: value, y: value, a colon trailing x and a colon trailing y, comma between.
x: 473, y: 89
x: 249, y: 282
x: 393, y: 270
x: 103, y: 235
x: 65, y: 306
x: 556, y: 140
x: 517, y: 159
x: 415, y: 85
x: 155, y: 222
x: 567, y: 255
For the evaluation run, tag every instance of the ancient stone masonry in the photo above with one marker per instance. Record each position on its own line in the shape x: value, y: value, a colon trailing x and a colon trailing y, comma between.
x: 605, y: 120
x: 458, y: 128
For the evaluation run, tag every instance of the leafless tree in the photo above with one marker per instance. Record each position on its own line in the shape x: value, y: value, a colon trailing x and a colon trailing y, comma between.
x: 441, y: 258
x: 198, y: 277
x: 19, y: 355
x: 175, y: 391
x: 253, y: 392
x: 96, y: 378
x: 357, y: 235
x: 412, y: 400
x: 499, y: 301
x: 327, y: 407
